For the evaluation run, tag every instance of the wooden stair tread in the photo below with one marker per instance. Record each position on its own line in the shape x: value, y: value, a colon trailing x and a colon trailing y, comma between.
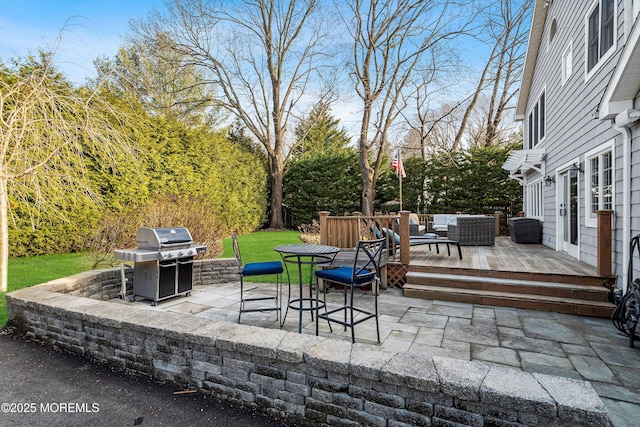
x: 506, y: 295
x: 502, y: 281
x: 515, y: 275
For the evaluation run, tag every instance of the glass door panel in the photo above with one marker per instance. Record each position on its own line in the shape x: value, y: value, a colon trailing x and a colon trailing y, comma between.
x: 568, y: 213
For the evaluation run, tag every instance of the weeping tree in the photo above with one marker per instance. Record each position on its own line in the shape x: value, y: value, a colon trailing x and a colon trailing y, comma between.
x: 47, y: 130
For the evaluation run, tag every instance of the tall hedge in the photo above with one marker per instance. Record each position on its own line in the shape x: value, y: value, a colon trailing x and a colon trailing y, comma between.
x: 472, y: 182
x: 327, y: 180
x: 172, y: 163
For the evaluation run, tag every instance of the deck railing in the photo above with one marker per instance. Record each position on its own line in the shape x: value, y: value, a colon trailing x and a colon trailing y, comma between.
x: 345, y: 231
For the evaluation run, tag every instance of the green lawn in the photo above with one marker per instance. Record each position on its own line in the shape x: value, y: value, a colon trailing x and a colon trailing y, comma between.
x: 29, y: 271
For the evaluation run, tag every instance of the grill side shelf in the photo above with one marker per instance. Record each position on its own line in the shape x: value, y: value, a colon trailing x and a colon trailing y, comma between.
x: 136, y: 255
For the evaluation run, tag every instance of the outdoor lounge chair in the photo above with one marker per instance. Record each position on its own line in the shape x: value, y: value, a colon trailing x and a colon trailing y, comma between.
x: 394, y: 238
x: 428, y: 240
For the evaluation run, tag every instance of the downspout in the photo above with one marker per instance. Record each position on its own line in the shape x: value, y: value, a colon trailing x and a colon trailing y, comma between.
x: 621, y: 124
x: 626, y: 200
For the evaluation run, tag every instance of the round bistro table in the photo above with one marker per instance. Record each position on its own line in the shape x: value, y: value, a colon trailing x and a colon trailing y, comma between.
x: 305, y: 254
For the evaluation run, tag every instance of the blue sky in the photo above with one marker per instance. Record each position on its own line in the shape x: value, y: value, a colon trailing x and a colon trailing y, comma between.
x: 92, y: 28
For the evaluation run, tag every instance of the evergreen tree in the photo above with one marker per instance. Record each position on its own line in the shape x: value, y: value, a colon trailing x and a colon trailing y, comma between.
x: 324, y: 174
x: 319, y: 132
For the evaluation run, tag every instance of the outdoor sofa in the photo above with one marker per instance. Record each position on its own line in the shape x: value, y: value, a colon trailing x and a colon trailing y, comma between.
x: 415, y: 228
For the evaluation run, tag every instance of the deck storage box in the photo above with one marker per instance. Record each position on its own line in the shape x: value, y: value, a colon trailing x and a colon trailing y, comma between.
x: 525, y: 230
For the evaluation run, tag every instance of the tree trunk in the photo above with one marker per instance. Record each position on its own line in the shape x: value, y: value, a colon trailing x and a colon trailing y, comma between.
x: 4, y: 234
x: 368, y: 193
x: 483, y: 78
x: 276, y: 177
x: 368, y: 183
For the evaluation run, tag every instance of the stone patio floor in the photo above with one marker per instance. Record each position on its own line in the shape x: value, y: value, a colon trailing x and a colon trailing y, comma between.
x: 571, y: 346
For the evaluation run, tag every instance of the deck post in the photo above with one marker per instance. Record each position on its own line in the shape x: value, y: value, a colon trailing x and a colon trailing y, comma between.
x: 324, y: 231
x: 604, y: 266
x: 404, y: 237
x: 496, y: 215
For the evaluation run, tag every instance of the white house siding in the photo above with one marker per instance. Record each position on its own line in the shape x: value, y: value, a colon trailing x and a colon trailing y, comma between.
x: 571, y: 129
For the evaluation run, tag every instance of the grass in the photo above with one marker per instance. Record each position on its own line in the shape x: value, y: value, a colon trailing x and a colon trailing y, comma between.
x: 29, y: 271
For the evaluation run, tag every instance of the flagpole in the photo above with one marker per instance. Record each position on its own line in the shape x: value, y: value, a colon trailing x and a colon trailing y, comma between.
x: 399, y: 168
x: 400, y: 176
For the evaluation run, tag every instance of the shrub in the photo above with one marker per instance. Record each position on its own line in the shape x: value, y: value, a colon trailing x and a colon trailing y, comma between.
x: 118, y: 229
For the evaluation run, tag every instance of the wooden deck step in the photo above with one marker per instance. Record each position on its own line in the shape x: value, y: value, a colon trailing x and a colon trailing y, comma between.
x: 578, y: 279
x: 508, y: 299
x: 515, y: 286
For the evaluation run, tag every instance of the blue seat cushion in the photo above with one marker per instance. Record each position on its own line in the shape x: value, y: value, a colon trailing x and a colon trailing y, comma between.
x: 343, y: 275
x: 260, y: 268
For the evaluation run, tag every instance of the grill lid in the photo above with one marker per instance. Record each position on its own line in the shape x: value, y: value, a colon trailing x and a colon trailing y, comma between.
x: 158, y: 238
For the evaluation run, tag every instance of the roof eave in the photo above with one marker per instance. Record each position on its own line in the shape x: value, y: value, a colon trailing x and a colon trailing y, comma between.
x: 625, y: 80
x: 533, y: 47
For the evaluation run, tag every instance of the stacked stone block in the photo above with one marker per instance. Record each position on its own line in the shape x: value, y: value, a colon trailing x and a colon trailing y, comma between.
x: 215, y: 271
x: 309, y: 380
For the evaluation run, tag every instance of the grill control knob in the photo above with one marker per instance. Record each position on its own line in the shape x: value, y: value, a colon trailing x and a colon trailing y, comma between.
x: 180, y: 253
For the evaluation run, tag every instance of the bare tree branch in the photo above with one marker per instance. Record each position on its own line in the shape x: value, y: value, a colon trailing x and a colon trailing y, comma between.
x: 261, y: 56
x: 392, y: 40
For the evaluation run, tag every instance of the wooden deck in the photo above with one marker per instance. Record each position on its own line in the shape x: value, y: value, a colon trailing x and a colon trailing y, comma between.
x: 509, y: 274
x: 506, y: 256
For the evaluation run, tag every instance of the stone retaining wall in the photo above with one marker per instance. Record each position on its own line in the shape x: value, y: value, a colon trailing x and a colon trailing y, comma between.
x: 106, y: 284
x: 310, y: 380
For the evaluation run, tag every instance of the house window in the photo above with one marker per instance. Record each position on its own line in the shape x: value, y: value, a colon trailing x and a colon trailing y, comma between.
x: 600, y: 181
x: 567, y: 63
x: 537, y: 125
x: 553, y: 31
x: 535, y: 200
x: 600, y: 31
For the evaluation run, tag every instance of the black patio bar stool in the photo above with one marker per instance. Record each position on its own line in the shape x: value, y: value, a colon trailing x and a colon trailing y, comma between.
x: 365, y: 270
x: 258, y: 269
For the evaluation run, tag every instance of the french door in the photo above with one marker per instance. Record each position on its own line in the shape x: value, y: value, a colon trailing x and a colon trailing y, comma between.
x: 568, y: 213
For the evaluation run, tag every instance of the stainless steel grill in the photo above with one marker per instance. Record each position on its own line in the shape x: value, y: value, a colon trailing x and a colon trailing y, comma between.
x: 163, y: 263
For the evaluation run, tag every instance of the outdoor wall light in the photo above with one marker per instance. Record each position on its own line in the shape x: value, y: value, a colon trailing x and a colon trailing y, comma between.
x: 574, y: 169
x: 549, y: 180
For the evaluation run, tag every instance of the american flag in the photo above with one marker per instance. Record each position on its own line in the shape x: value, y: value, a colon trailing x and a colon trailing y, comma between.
x: 397, y: 164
